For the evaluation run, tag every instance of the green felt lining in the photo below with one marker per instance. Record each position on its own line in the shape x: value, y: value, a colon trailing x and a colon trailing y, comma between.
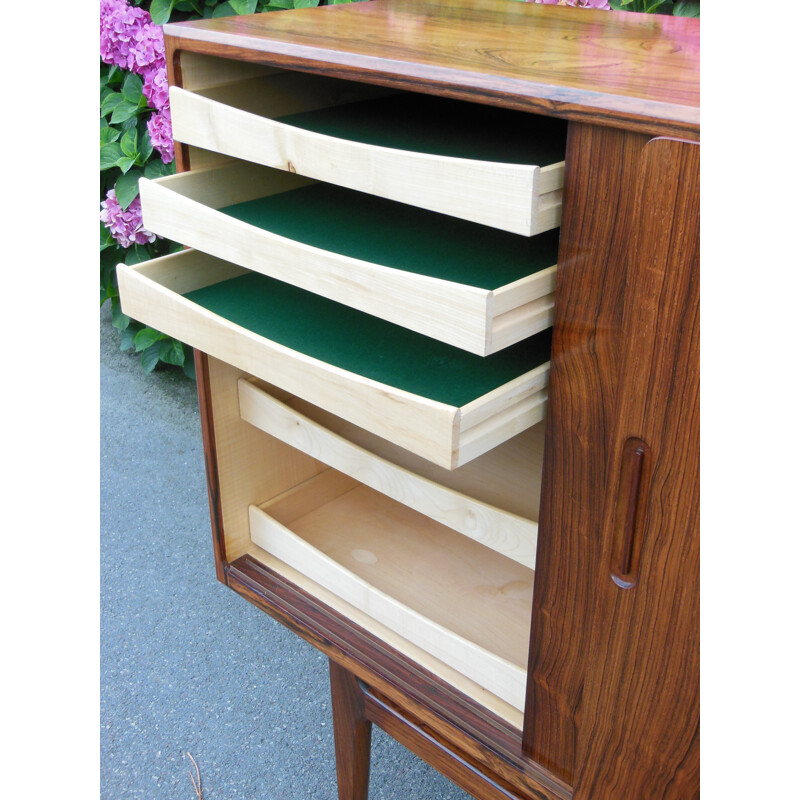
x: 397, y: 235
x: 365, y: 345
x: 441, y: 126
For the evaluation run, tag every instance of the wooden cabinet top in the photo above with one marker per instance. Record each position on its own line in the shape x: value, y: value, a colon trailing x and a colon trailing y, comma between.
x: 634, y: 71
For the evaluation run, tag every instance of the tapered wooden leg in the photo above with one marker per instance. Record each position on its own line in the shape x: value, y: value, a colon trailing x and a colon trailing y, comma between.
x: 352, y: 732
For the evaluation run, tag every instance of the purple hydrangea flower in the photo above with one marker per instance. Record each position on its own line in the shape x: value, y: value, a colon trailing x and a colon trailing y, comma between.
x: 156, y: 88
x: 159, y: 126
x: 128, y: 38
x: 148, y: 48
x: 125, y: 226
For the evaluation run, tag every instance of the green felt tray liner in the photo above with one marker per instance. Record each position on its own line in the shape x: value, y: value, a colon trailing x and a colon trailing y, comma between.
x: 441, y: 126
x: 362, y: 344
x: 379, y: 231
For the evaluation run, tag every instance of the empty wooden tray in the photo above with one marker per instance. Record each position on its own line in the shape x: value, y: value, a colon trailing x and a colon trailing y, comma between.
x: 461, y: 602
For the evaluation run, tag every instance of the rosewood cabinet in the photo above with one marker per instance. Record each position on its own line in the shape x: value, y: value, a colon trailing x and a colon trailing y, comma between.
x: 443, y: 290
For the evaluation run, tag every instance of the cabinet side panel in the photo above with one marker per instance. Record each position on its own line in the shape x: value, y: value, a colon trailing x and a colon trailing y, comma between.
x: 639, y: 734
x: 596, y: 235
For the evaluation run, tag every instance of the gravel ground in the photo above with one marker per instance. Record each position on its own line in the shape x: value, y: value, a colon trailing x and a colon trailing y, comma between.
x: 187, y: 666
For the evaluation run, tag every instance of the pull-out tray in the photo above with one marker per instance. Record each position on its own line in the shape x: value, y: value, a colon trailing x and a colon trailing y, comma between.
x: 437, y: 401
x: 459, y: 601
x: 508, y: 534
x: 470, y: 286
x: 493, y: 166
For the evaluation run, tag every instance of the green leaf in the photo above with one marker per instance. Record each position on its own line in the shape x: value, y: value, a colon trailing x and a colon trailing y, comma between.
x: 158, y: 169
x: 306, y: 3
x: 115, y: 74
x: 244, y: 6
x: 109, y: 155
x: 110, y: 102
x: 132, y: 88
x: 145, y: 148
x: 125, y: 163
x: 686, y: 8
x: 109, y: 134
x: 171, y: 352
x: 128, y: 142
x: 124, y: 111
x: 147, y: 337
x: 223, y: 10
x: 188, y: 365
x: 106, y: 239
x: 119, y: 320
x: 127, y: 187
x: 150, y: 358
x: 136, y: 254
x: 160, y: 11
x: 126, y: 339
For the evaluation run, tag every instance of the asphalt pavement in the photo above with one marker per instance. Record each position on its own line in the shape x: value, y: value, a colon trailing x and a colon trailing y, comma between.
x: 187, y: 666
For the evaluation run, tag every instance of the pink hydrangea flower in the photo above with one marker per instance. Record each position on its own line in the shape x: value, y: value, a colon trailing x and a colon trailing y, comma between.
x: 600, y: 4
x: 125, y: 226
x: 156, y: 88
x: 159, y: 126
x: 128, y: 38
x: 148, y: 48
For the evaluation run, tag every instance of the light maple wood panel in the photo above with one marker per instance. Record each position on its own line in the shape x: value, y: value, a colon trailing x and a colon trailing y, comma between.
x: 185, y: 208
x: 508, y: 534
x: 249, y: 463
x: 508, y: 476
x: 461, y: 602
x: 446, y: 435
x: 240, y: 120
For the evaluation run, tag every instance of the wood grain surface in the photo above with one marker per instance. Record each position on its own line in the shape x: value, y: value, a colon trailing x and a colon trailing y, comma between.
x: 612, y: 693
x: 639, y: 71
x: 590, y: 284
x: 352, y: 733
x: 639, y: 732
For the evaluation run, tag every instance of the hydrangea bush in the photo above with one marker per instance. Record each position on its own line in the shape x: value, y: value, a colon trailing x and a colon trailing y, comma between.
x: 136, y: 141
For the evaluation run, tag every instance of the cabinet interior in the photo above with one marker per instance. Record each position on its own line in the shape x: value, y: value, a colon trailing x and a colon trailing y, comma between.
x: 454, y: 604
x: 420, y: 572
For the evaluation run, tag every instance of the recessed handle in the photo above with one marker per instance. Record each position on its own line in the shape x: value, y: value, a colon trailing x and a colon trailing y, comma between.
x: 631, y: 511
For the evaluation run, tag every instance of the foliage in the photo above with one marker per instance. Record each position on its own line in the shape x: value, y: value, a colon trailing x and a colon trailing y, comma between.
x: 675, y: 8
x: 136, y: 141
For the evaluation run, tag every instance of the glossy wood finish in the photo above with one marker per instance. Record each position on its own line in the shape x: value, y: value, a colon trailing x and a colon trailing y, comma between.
x: 440, y: 754
x: 352, y: 733
x: 639, y: 731
x: 210, y: 457
x: 610, y: 349
x: 596, y: 233
x: 637, y: 71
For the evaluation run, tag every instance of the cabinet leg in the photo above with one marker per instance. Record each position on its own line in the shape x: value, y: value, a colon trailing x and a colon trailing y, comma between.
x: 351, y: 734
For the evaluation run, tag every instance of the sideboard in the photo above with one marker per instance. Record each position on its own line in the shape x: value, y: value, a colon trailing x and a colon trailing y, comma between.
x: 442, y: 282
